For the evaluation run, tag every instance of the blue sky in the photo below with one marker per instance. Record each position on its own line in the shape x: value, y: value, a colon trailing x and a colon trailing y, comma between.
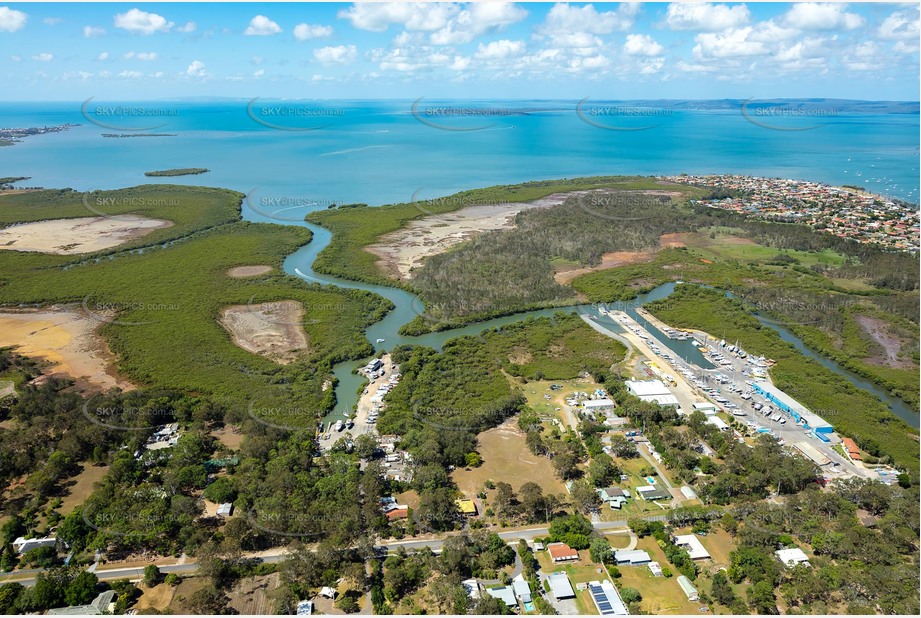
x: 138, y: 51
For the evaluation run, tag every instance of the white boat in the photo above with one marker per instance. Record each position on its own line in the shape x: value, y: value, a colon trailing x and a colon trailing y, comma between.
x: 339, y: 425
x: 381, y: 340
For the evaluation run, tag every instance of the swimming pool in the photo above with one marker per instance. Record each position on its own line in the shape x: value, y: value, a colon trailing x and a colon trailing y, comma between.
x: 651, y: 480
x: 529, y: 606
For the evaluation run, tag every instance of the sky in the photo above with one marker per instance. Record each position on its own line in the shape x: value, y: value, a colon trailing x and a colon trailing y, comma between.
x: 488, y: 50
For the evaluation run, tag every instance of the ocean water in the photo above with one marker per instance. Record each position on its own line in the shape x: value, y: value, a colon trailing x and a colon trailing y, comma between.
x: 381, y: 152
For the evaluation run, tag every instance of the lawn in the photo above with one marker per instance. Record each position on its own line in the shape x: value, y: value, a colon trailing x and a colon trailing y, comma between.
x: 80, y: 486
x: 661, y: 595
x: 506, y: 458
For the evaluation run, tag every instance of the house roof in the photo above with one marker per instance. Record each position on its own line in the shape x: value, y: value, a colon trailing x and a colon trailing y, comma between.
x: 607, y: 599
x: 695, y: 548
x: 394, y: 514
x: 792, y: 557
x: 631, y: 555
x: 522, y: 588
x: 505, y: 593
x: 561, y: 550
x: 560, y: 586
x: 467, y: 507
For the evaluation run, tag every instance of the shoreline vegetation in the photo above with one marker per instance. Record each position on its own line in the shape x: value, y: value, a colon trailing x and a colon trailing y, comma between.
x: 180, y: 171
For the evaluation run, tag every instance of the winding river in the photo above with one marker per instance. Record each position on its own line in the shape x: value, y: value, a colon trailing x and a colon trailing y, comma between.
x: 407, y: 305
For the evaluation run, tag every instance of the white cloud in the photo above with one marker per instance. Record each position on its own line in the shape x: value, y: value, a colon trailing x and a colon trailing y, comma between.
x: 16, y: 58
x: 43, y: 57
x: 103, y: 56
x: 52, y: 21
x: 260, y: 25
x: 190, y: 26
x: 81, y: 75
x: 476, y: 20
x: 642, y: 45
x: 414, y: 58
x: 92, y: 32
x: 305, y: 32
x: 12, y: 20
x: 259, y: 73
x: 140, y: 55
x: 130, y: 74
x: 821, y: 16
x: 196, y: 69
x: 340, y: 54
x: 378, y: 16
x: 705, y: 17
x: 564, y: 18
x: 497, y: 50
x: 901, y: 26
x: 448, y: 23
x: 729, y: 44
x: 142, y: 22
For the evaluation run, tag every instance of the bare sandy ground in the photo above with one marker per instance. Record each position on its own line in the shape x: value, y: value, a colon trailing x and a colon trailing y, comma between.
x: 405, y: 249
x: 891, y: 344
x: 74, y: 236
x: 67, y: 340
x: 608, y: 260
x: 269, y: 329
x: 239, y: 272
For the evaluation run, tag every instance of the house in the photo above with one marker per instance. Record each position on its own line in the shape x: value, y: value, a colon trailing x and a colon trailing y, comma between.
x: 632, y: 557
x: 561, y: 552
x: 852, y: 449
x: 688, y: 588
x: 653, y: 492
x: 692, y: 544
x: 103, y: 604
x: 225, y: 509
x: 329, y: 593
x: 472, y: 587
x: 522, y: 588
x: 614, y: 497
x: 305, y: 608
x: 373, y: 365
x: 792, y: 557
x: 467, y: 508
x: 718, y: 423
x: 607, y: 599
x: 22, y: 545
x: 688, y: 493
x: 397, y: 514
x: 560, y: 586
x: 506, y: 594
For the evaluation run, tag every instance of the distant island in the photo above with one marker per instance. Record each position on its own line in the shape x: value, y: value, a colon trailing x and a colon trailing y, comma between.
x: 181, y: 171
x: 139, y: 134
x: 10, y: 136
x: 6, y: 182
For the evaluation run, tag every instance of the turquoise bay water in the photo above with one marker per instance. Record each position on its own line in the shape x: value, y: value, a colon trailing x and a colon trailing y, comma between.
x: 378, y: 152
x: 381, y: 153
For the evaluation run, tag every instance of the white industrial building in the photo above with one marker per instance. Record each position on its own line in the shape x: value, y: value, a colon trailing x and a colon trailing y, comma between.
x: 560, y: 586
x: 652, y: 390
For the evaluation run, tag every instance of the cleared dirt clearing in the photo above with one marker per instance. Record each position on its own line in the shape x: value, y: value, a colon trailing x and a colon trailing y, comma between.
x: 239, y: 272
x: 74, y: 236
x: 67, y: 340
x: 272, y: 329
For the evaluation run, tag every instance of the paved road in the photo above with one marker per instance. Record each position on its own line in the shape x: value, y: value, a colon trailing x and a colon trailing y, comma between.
x: 27, y: 578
